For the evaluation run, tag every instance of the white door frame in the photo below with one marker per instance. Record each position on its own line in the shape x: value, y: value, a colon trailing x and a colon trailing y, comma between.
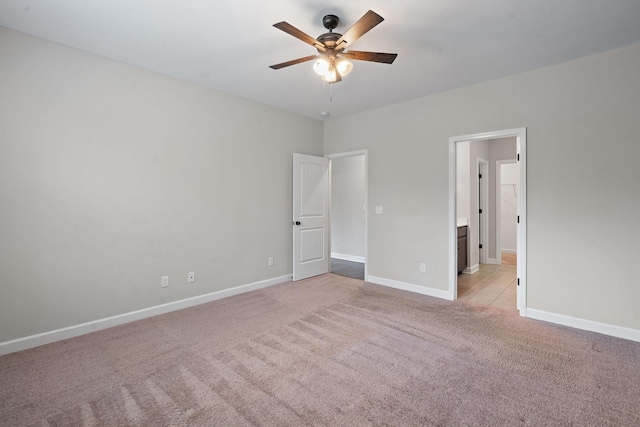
x: 499, y: 205
x: 366, y: 202
x: 521, y: 142
x: 483, y: 203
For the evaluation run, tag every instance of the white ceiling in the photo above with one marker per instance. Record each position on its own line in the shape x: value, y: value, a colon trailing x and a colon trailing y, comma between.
x: 228, y: 45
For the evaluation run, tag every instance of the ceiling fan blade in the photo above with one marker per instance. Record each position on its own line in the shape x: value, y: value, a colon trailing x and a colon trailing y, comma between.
x: 385, y: 58
x: 364, y: 24
x: 290, y: 29
x: 293, y: 62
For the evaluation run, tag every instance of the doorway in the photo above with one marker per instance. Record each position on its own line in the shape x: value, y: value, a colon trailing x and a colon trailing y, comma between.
x: 348, y: 214
x: 488, y: 282
x: 507, y: 210
x: 491, y: 253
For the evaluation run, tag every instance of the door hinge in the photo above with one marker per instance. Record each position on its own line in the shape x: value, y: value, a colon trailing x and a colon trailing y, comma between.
x: 480, y: 245
x: 480, y: 210
x: 518, y: 219
x: 518, y: 282
x: 518, y: 157
x: 479, y: 175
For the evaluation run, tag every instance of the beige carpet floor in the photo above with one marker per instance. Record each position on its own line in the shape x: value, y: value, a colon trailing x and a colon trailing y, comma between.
x: 327, y: 351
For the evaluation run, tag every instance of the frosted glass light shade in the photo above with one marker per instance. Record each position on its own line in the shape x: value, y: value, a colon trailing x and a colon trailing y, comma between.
x: 321, y: 66
x: 330, y: 75
x: 344, y: 67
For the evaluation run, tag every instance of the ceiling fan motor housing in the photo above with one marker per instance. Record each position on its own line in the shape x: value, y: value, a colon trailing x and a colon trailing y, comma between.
x: 330, y: 22
x: 329, y: 40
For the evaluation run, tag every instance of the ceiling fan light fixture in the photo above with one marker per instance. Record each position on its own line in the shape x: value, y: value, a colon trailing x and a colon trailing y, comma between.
x: 344, y: 67
x: 321, y: 66
x: 330, y: 76
x: 331, y: 63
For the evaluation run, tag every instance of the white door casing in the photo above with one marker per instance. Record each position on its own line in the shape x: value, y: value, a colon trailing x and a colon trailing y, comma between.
x: 483, y: 206
x: 310, y: 216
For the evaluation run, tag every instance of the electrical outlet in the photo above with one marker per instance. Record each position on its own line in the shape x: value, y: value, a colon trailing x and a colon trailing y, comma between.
x: 423, y: 267
x: 379, y: 210
x: 270, y: 261
x: 191, y: 277
x: 164, y: 281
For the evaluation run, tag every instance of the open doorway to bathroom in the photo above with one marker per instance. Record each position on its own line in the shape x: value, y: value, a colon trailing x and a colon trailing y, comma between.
x: 486, y: 232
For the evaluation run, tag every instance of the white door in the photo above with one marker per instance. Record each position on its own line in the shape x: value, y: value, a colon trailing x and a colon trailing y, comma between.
x: 310, y: 216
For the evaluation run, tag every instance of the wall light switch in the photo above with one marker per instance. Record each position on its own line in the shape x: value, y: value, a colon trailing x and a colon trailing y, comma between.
x: 270, y: 261
x: 164, y: 281
x: 379, y: 210
x: 423, y: 267
x: 191, y: 277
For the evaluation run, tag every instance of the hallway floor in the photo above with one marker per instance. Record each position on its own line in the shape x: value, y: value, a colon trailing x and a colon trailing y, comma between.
x: 344, y: 268
x: 493, y: 285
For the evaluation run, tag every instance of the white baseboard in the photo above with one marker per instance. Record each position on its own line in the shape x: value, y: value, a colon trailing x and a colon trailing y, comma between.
x: 587, y: 325
x: 472, y: 269
x: 492, y: 261
x: 509, y: 251
x: 346, y: 257
x: 108, y: 322
x: 410, y: 287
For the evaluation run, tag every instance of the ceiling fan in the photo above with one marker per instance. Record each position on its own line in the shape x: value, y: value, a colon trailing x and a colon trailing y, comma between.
x: 333, y: 63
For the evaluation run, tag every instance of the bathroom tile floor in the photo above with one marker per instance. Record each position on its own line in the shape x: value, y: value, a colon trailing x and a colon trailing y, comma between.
x: 493, y: 285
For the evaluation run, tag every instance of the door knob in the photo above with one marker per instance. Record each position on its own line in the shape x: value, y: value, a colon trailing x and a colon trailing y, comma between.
x: 297, y: 223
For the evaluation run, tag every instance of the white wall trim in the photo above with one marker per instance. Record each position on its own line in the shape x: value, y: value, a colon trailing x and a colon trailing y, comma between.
x: 437, y: 293
x: 120, y: 319
x: 453, y: 222
x: 493, y: 261
x: 345, y: 257
x: 509, y: 251
x: 472, y: 269
x: 587, y: 325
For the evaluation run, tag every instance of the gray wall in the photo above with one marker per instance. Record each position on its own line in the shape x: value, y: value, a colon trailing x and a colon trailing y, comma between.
x: 347, y: 202
x: 583, y: 147
x: 112, y: 176
x: 463, y: 180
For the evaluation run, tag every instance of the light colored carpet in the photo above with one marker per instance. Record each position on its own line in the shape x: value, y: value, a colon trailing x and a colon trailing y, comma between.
x: 327, y: 351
